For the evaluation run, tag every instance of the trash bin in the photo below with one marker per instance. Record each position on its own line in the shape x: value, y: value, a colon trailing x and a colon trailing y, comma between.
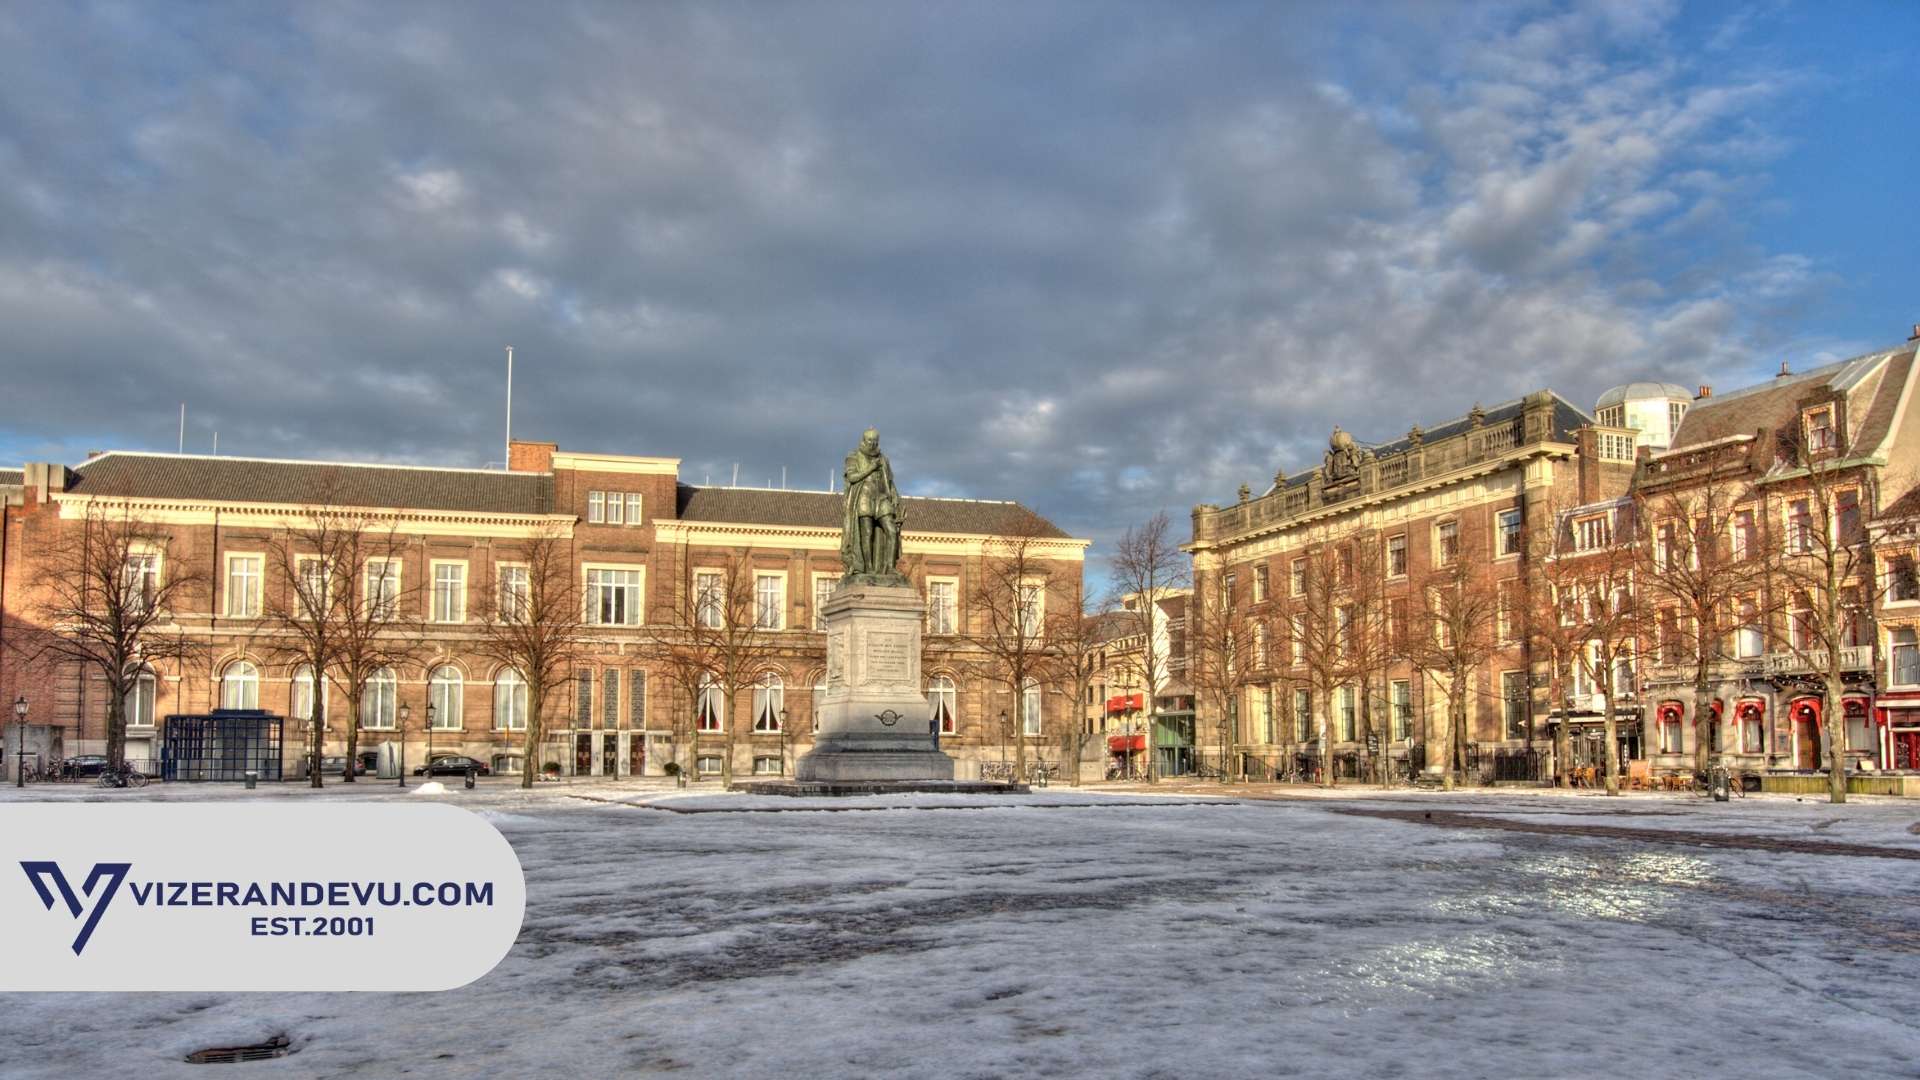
x: 469, y: 778
x: 250, y: 776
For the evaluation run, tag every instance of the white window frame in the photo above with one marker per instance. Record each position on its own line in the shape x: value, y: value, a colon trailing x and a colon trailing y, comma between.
x: 718, y: 605
x: 252, y: 592
x: 249, y: 684
x: 302, y: 677
x: 438, y: 614
x: 596, y: 508
x: 380, y: 701
x: 1033, y: 701
x: 302, y: 577
x: 150, y: 564
x: 142, y: 699
x: 820, y: 597
x: 384, y: 607
x: 769, y: 701
x: 1441, y: 556
x: 636, y: 504
x: 510, y: 691
x: 616, y: 507
x: 1401, y: 538
x: 448, y: 696
x: 1297, y: 577
x: 637, y: 590
x: 943, y: 700
x: 952, y: 607
x: 1500, y: 533
x: 515, y: 609
x: 1033, y: 607
x: 1260, y: 573
x: 710, y: 710
x: 779, y: 607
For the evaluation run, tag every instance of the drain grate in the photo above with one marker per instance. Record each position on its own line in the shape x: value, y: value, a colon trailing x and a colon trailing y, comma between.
x: 226, y: 1055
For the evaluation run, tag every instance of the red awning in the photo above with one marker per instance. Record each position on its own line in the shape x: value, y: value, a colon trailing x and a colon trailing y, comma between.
x: 1124, y: 702
x: 1120, y: 744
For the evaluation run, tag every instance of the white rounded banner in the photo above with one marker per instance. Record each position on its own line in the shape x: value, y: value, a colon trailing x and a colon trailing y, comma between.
x: 253, y: 896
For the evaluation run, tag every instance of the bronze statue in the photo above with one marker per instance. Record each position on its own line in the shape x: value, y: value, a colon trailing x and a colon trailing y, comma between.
x: 870, y: 537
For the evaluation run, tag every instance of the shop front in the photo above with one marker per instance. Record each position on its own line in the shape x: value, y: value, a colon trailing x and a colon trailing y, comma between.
x: 1173, y: 736
x: 1899, y: 722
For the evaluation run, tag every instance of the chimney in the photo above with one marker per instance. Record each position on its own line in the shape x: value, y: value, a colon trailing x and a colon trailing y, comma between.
x: 1916, y: 332
x: 1784, y: 370
x: 1705, y: 392
x: 524, y: 456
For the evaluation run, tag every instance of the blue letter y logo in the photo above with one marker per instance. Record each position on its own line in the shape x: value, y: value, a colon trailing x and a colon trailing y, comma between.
x: 41, y: 872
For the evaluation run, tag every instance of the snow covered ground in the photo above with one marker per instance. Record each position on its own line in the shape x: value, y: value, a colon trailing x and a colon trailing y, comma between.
x: 1089, y: 933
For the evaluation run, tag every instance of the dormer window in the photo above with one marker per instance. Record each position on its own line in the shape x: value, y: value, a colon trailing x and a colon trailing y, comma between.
x: 1592, y: 533
x: 1821, y: 435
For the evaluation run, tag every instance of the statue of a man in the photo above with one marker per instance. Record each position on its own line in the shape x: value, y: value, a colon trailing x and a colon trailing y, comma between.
x: 870, y: 538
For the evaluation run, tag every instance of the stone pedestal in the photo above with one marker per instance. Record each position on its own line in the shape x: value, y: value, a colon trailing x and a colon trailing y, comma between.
x: 873, y: 720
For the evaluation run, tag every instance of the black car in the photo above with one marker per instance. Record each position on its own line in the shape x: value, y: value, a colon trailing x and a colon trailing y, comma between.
x: 337, y: 766
x: 453, y: 765
x: 84, y: 765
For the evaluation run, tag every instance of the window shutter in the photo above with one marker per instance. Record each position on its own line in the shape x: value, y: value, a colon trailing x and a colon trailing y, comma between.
x: 637, y: 700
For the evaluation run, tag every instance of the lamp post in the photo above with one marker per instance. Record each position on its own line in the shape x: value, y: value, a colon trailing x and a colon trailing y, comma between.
x: 1006, y: 732
x: 20, y: 726
x: 783, y: 741
x: 429, y: 762
x: 405, y: 713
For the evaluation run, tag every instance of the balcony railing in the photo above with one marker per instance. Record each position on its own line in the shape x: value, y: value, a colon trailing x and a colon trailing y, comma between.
x: 1852, y: 658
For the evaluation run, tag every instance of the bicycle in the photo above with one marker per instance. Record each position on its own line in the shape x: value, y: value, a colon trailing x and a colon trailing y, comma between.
x: 124, y: 776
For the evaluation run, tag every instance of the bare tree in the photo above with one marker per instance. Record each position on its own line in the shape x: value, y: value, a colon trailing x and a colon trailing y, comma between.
x: 107, y: 588
x: 533, y: 622
x: 1703, y: 550
x: 1825, y: 568
x: 1372, y: 645
x: 314, y: 565
x: 1453, y: 635
x: 1322, y: 629
x: 1147, y: 565
x: 1598, y: 615
x: 1556, y: 573
x: 718, y: 639
x: 1008, y: 601
x: 1078, y: 646
x: 378, y: 627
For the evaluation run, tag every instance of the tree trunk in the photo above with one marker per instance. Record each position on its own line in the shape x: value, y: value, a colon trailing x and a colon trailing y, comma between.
x: 116, y: 726
x: 530, y: 739
x: 1562, y: 734
x: 1019, y: 734
x: 1836, y: 721
x: 319, y: 726
x: 1611, y: 728
x: 353, y: 732
x: 1326, y: 740
x: 1702, y: 720
x: 1439, y: 747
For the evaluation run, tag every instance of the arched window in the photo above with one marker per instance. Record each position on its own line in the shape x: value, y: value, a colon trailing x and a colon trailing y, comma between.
x: 769, y: 701
x: 139, y: 704
x: 240, y: 686
x: 941, y: 696
x: 710, y: 706
x: 300, y: 703
x: 445, y: 692
x: 377, y: 701
x: 819, y: 697
x: 1030, y: 707
x: 509, y: 701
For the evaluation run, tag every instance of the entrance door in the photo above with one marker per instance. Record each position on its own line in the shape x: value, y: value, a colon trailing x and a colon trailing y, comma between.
x: 636, y: 754
x: 1807, y: 737
x: 583, y: 753
x: 1906, y: 749
x: 609, y: 752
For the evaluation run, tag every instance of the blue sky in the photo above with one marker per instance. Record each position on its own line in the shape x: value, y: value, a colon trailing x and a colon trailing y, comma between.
x: 1104, y: 258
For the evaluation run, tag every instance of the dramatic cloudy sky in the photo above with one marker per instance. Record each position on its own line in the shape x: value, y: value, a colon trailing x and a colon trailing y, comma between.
x: 1103, y: 258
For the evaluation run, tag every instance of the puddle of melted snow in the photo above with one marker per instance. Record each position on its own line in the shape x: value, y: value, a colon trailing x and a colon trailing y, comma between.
x: 1437, y: 965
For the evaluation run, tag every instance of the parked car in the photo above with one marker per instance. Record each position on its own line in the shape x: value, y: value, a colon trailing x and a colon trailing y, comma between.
x: 453, y: 765
x: 329, y: 766
x: 85, y: 765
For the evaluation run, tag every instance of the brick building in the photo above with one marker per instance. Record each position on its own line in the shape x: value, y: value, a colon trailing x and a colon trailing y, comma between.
x: 640, y: 540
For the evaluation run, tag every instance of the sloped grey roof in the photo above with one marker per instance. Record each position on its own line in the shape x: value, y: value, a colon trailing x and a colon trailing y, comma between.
x: 824, y: 509
x: 1872, y: 383
x: 262, y: 480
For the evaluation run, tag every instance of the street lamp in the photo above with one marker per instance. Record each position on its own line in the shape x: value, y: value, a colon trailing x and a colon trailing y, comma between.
x: 783, y: 741
x: 20, y: 725
x: 1006, y: 732
x: 405, y: 712
x: 429, y: 762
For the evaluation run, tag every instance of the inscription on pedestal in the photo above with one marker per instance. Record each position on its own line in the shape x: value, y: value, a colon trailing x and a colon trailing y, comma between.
x: 836, y: 658
x: 889, y: 656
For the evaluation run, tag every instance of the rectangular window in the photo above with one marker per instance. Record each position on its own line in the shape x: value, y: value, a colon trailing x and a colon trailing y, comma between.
x: 942, y: 605
x: 1820, y: 433
x: 449, y: 592
x: 1507, y: 530
x: 1902, y: 583
x: 1799, y: 527
x: 1446, y: 543
x: 1507, y: 613
x: 1400, y: 694
x: 1670, y: 737
x: 1748, y: 640
x: 1743, y: 535
x: 140, y: 580
x: 1592, y: 533
x: 1800, y: 626
x: 1397, y: 556
x: 515, y: 593
x: 314, y: 591
x: 637, y: 700
x: 1846, y: 516
x: 1260, y: 583
x: 769, y: 601
x: 1348, y: 714
x: 1303, y: 715
x: 633, y: 508
x: 616, y: 508
x: 610, y: 699
x: 383, y: 588
x: 1513, y: 703
x: 1753, y: 731
x: 707, y: 765
x: 1675, y: 411
x: 1905, y: 654
x: 1299, y: 639
x: 1032, y: 610
x: 766, y: 765
x: 709, y: 599
x: 1615, y: 447
x: 596, y: 507
x: 823, y: 586
x: 583, y: 699
x: 1030, y: 710
x: 613, y: 596
x: 244, y: 573
x: 1299, y: 579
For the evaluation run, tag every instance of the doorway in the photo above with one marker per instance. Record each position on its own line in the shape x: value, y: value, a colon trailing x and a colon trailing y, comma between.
x: 583, y: 753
